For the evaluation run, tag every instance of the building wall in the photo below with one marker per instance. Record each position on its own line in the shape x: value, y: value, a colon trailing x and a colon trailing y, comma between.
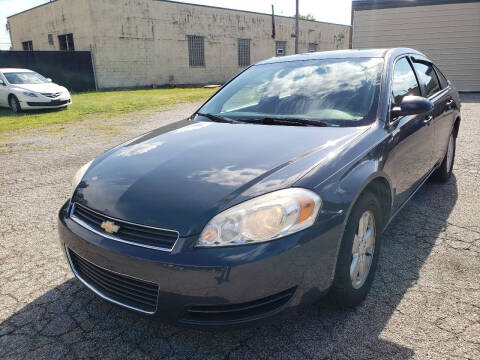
x: 448, y: 34
x: 144, y: 42
x: 56, y: 18
x: 157, y: 32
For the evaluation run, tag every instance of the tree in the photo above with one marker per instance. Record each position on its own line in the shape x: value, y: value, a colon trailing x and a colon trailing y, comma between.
x: 307, y: 17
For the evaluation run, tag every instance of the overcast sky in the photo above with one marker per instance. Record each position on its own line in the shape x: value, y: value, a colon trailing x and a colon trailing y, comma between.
x: 336, y: 11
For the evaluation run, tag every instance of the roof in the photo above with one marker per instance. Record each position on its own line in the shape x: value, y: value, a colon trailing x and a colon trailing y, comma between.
x: 385, y: 4
x: 8, y: 70
x: 205, y: 6
x: 336, y: 54
x: 342, y: 54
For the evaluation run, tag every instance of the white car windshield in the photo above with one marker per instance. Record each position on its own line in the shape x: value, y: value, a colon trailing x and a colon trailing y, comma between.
x: 25, y: 77
x: 341, y: 92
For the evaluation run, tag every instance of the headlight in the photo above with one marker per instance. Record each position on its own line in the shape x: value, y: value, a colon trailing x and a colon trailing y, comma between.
x: 30, y: 94
x: 79, y: 175
x: 264, y: 218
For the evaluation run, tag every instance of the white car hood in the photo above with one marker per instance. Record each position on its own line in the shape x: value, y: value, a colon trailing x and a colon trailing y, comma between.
x: 41, y: 88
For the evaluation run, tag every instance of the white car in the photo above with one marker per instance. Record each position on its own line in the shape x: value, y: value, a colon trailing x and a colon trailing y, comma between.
x: 23, y: 89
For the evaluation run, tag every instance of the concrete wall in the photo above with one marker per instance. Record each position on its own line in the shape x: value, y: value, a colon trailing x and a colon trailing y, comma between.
x: 144, y: 42
x: 448, y: 34
x: 56, y: 18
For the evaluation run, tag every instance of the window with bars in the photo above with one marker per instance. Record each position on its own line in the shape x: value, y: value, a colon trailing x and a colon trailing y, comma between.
x: 196, y: 50
x: 312, y: 47
x: 27, y: 45
x: 65, y: 42
x: 243, y: 52
x: 50, y: 39
x: 281, y: 48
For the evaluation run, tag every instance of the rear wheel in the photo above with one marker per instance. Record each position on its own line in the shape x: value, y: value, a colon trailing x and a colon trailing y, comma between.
x: 444, y: 172
x: 359, y: 253
x: 14, y: 104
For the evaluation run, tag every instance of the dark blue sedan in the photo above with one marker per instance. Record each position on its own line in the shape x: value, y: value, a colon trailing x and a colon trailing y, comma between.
x: 274, y: 193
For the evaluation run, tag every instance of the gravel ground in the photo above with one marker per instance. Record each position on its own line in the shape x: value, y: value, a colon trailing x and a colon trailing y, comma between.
x: 425, y: 300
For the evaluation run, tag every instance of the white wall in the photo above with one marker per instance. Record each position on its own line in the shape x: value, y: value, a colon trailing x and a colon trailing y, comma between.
x: 448, y: 34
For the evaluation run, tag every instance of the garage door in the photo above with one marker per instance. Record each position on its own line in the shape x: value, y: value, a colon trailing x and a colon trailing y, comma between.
x: 448, y: 34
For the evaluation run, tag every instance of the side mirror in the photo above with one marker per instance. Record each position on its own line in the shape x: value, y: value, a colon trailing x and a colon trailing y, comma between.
x: 49, y: 80
x: 412, y: 105
x: 2, y: 83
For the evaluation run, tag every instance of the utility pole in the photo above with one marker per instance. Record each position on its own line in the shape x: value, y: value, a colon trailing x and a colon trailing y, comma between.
x: 296, y: 29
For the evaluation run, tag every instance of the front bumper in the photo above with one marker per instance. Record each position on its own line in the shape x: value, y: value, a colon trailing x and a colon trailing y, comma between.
x: 46, y: 103
x: 215, y: 286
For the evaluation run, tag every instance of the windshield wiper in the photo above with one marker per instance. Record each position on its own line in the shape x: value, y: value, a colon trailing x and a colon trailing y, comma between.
x: 217, y: 118
x: 266, y: 120
x: 286, y: 121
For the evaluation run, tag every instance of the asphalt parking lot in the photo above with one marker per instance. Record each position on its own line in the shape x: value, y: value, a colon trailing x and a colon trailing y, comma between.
x: 425, y: 300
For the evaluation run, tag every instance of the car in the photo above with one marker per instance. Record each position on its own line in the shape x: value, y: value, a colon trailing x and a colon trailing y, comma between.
x: 272, y: 195
x: 23, y: 89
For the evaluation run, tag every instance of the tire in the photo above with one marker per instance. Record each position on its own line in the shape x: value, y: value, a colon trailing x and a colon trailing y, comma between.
x: 14, y: 104
x: 345, y: 291
x: 444, y: 172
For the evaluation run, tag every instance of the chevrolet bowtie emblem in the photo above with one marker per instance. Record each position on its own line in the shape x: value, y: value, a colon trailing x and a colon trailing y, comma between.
x: 109, y: 227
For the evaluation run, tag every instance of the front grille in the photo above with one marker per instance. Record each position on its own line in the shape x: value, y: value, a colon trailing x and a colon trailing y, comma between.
x: 135, y: 234
x: 236, y: 313
x: 52, y: 95
x: 51, y: 103
x: 120, y: 289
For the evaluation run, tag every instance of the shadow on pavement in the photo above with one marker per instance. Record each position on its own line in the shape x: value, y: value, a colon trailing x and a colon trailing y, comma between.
x: 469, y: 97
x: 70, y: 322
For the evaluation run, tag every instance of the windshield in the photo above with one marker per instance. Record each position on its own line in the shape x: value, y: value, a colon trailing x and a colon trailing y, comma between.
x: 339, y: 92
x: 25, y: 77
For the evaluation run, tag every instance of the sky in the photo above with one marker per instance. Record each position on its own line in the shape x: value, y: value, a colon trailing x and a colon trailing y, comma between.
x: 335, y: 11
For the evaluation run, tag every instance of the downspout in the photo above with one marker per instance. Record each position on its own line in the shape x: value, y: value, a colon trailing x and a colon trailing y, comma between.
x: 296, y: 28
x: 273, y: 23
x: 93, y: 67
x: 351, y: 29
x: 9, y: 28
x: 93, y: 46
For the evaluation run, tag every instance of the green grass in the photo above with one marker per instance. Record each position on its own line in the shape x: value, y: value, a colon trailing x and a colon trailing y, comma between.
x: 103, y: 104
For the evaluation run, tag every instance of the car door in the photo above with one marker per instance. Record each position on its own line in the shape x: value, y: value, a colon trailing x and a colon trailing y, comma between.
x: 3, y: 91
x: 411, y: 155
x: 446, y: 114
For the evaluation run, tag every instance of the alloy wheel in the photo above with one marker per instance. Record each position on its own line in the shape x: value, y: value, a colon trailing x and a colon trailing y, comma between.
x: 13, y: 104
x: 363, y: 249
x: 450, y: 153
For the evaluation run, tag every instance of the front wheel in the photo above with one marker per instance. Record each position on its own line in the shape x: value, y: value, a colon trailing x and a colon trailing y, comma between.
x: 359, y: 251
x: 14, y: 104
x: 444, y: 172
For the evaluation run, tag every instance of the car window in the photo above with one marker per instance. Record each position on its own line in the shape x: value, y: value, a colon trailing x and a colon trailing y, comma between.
x: 404, y: 81
x: 25, y: 77
x: 340, y: 92
x: 428, y: 78
x: 441, y: 77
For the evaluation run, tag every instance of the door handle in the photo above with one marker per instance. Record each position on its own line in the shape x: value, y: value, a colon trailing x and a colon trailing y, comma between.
x: 450, y: 104
x: 427, y: 120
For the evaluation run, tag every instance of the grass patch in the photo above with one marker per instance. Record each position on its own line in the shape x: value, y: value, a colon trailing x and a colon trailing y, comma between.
x: 103, y: 104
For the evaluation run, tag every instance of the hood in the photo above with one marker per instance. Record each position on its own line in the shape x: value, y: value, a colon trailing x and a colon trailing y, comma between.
x: 41, y: 88
x: 180, y: 176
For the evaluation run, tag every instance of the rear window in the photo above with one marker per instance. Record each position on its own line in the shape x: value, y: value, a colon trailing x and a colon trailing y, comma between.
x: 428, y: 78
x: 340, y: 92
x: 441, y: 77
